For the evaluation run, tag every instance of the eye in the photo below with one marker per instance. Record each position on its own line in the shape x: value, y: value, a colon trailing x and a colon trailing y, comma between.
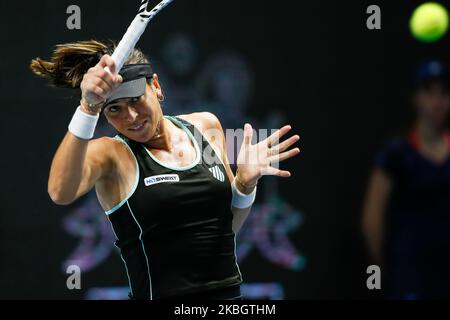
x: 114, y: 109
x: 135, y: 100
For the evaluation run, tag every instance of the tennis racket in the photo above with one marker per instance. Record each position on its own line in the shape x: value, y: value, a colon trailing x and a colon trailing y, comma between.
x: 135, y: 30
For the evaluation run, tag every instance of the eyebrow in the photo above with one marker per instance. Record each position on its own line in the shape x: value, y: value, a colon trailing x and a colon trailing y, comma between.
x: 115, y: 103
x: 118, y: 101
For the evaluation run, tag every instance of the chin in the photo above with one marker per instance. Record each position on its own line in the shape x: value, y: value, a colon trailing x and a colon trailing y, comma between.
x: 136, y: 136
x: 141, y: 138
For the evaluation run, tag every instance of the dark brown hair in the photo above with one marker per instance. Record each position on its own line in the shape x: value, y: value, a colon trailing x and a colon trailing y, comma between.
x: 70, y: 61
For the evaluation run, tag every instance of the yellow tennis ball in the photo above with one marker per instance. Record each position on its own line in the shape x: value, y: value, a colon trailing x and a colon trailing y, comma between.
x: 429, y: 22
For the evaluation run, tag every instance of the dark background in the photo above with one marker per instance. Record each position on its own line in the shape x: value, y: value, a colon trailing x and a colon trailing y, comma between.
x: 343, y: 87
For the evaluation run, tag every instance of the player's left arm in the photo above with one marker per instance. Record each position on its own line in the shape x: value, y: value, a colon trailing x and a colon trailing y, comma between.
x: 254, y: 160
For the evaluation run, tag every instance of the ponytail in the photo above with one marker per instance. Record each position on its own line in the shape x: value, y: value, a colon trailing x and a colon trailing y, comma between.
x: 70, y: 61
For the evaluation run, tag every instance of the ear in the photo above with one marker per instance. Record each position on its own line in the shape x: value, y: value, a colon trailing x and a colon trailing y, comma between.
x: 157, y: 87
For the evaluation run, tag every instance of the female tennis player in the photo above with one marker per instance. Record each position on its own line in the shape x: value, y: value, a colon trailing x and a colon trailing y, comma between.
x: 164, y: 181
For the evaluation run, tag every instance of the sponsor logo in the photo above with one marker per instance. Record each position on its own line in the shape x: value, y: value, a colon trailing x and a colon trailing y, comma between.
x: 161, y: 179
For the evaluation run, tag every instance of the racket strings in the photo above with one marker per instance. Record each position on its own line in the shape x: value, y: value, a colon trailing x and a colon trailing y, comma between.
x: 145, y: 8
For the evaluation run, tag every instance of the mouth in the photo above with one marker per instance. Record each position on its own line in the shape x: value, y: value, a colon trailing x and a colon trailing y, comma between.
x: 138, y: 127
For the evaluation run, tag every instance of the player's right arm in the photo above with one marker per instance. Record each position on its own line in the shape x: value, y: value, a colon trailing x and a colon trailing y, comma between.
x: 78, y: 164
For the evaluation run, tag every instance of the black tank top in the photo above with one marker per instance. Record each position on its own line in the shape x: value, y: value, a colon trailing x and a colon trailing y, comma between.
x: 174, y: 230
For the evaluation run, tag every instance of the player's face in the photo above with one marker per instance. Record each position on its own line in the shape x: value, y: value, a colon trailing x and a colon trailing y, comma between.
x: 433, y: 103
x: 137, y: 118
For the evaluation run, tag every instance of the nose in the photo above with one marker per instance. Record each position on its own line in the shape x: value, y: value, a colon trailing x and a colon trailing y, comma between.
x: 131, y: 114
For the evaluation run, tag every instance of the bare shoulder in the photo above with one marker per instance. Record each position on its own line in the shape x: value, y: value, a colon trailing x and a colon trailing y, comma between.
x: 212, y: 130
x: 210, y: 127
x: 105, y: 145
x: 117, y: 163
x: 109, y: 152
x: 204, y: 121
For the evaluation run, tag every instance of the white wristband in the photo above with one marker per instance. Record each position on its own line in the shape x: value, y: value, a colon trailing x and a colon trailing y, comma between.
x: 83, y: 124
x: 241, y: 200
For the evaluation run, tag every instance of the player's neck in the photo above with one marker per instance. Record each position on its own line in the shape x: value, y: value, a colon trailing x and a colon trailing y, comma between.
x: 167, y: 136
x: 162, y: 137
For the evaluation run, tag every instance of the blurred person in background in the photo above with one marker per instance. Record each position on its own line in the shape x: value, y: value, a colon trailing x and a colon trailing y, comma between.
x: 406, y: 214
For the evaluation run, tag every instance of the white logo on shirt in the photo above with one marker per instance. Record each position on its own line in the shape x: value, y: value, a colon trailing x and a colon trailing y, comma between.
x: 217, y: 173
x: 161, y: 179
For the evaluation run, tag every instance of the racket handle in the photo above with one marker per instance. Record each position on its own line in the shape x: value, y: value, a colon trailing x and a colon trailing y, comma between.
x: 128, y: 42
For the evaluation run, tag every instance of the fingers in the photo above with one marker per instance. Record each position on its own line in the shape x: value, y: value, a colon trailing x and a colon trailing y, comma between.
x: 277, y: 172
x: 107, y: 61
x: 105, y: 85
x: 285, y: 155
x: 112, y: 80
x: 274, y: 138
x: 97, y: 86
x: 99, y: 82
x: 285, y: 144
x: 244, y: 153
x: 248, y: 134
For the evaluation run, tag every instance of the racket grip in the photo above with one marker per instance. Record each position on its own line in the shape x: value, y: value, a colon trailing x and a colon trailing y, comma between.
x: 128, y: 42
